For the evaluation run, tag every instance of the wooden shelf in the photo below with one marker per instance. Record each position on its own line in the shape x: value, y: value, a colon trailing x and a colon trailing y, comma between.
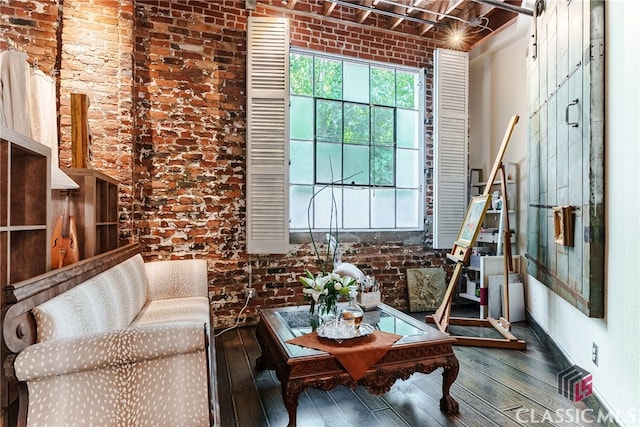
x: 25, y: 203
x: 469, y: 297
x: 95, y: 208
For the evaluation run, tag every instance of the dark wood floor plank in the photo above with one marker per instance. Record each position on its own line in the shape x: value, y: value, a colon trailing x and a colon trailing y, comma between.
x: 494, y: 388
x: 528, y: 387
x: 331, y: 412
x: 309, y: 416
x: 225, y: 401
x: 543, y: 371
x: 271, y: 396
x: 475, y: 410
x: 374, y: 402
x: 415, y: 409
x: 246, y: 401
x: 353, y: 407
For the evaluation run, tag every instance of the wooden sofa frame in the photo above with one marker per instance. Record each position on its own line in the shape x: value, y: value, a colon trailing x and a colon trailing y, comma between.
x: 19, y: 325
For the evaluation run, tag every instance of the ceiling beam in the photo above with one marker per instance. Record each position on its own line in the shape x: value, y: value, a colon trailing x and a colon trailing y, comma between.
x: 328, y: 7
x: 384, y: 12
x: 363, y: 14
x: 440, y: 8
x: 507, y: 6
x: 395, y: 21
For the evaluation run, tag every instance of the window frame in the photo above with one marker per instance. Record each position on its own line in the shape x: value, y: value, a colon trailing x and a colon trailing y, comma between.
x: 421, y: 135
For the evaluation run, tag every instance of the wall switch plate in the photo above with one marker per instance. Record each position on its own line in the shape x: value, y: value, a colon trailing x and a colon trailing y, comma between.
x: 594, y: 354
x: 249, y: 293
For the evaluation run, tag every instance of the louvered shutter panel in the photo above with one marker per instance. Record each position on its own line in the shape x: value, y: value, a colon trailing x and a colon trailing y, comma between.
x: 267, y: 136
x: 451, y: 93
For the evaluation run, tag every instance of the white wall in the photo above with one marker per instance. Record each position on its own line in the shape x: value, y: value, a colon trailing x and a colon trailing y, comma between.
x: 498, y: 90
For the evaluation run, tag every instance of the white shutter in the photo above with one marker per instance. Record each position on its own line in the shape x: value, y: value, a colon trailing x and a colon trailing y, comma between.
x: 451, y: 84
x: 267, y: 135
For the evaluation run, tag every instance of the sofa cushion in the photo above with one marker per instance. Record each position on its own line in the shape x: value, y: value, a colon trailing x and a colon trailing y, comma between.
x: 154, y: 375
x: 176, y: 279
x: 191, y: 309
x: 110, y: 300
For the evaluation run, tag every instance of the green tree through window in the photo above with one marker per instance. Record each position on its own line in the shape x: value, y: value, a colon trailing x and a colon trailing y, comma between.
x: 355, y: 126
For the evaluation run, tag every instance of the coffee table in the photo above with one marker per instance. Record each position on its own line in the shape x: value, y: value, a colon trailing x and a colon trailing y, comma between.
x: 422, y: 348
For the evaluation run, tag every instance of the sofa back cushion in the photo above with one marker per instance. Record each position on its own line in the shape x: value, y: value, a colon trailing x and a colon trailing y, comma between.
x: 110, y: 300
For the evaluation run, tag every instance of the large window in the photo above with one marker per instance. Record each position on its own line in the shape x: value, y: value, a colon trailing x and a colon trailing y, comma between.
x: 356, y: 138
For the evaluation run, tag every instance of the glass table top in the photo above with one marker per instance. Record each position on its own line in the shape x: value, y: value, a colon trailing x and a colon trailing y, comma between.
x: 384, y: 319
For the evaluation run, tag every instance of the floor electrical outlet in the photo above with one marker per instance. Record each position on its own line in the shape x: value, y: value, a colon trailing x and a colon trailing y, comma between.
x: 250, y: 293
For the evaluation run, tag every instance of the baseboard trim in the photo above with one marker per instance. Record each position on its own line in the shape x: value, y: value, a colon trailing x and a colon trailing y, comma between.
x: 592, y: 402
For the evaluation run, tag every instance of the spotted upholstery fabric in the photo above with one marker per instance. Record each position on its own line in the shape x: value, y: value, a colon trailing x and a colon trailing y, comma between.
x: 108, y: 354
x: 177, y: 278
x: 190, y: 309
x: 110, y: 300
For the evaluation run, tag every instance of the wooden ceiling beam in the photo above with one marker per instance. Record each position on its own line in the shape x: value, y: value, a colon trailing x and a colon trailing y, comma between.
x: 362, y: 14
x: 440, y: 8
x: 394, y: 22
x: 328, y: 7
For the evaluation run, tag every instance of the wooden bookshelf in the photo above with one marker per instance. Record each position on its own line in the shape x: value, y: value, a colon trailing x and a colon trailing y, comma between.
x: 25, y: 203
x: 95, y: 208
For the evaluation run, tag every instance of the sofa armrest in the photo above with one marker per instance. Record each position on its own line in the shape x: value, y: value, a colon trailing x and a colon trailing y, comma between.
x: 177, y: 279
x: 105, y: 349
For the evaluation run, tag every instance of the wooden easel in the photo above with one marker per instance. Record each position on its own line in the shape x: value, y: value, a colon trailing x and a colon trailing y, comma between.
x: 460, y: 255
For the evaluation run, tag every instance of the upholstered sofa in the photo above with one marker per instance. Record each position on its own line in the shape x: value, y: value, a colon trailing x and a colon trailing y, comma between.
x: 127, y: 347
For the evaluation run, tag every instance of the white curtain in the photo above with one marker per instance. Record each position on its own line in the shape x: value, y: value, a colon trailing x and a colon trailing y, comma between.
x: 14, y: 78
x: 28, y: 106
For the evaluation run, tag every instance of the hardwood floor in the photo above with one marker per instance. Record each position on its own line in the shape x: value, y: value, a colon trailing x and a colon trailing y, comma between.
x: 494, y: 388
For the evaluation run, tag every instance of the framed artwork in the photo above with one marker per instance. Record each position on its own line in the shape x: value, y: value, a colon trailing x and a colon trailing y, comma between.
x: 473, y: 220
x: 426, y: 288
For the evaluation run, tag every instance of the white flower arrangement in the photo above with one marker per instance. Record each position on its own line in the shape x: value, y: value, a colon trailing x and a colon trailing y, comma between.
x: 325, y: 289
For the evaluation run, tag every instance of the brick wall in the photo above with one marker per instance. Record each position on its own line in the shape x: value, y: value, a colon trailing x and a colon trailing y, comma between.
x: 175, y: 72
x: 87, y: 46
x: 190, y: 68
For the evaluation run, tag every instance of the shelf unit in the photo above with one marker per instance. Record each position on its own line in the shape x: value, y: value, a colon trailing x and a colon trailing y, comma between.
x: 25, y: 202
x: 489, y: 236
x: 95, y: 208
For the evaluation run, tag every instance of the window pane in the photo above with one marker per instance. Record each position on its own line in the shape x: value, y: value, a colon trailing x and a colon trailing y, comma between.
x: 299, y: 197
x: 356, y: 208
x: 407, y: 170
x: 356, y: 161
x: 382, y: 126
x: 328, y: 162
x: 301, y: 118
x: 356, y: 82
x: 406, y: 90
x: 383, y: 213
x: 407, y: 208
x: 329, y: 121
x: 382, y: 166
x: 301, y: 157
x: 328, y: 208
x: 356, y: 124
x: 407, y: 127
x: 328, y: 73
x: 383, y: 86
x: 300, y: 74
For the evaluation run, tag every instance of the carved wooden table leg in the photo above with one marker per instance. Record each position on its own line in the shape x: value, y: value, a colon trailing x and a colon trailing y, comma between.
x: 290, y: 392
x: 448, y: 403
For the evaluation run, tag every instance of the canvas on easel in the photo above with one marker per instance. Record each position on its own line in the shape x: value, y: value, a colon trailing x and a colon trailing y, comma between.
x: 460, y: 255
